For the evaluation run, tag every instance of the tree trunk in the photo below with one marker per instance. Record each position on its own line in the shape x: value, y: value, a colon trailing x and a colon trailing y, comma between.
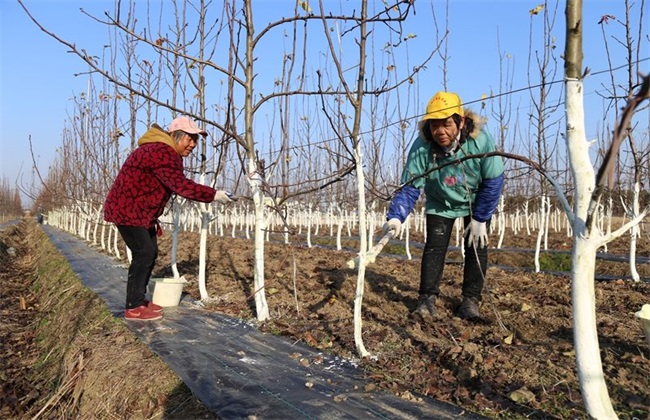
x: 261, y: 307
x: 585, y: 238
x: 363, y: 248
x: 634, y: 232
x: 205, y: 220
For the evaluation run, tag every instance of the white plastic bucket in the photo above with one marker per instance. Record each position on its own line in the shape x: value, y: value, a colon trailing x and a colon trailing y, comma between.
x: 166, y: 291
x: 644, y: 318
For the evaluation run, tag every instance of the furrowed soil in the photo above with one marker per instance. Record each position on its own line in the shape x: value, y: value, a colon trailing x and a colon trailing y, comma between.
x: 517, y: 361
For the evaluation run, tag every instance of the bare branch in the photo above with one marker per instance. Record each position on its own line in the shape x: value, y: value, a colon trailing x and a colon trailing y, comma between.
x: 611, y: 157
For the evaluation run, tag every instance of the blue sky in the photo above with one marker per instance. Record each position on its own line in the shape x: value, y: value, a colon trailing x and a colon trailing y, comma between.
x: 38, y: 75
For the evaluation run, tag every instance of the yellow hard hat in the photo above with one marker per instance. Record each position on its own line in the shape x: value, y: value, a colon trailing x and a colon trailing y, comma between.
x: 443, y: 105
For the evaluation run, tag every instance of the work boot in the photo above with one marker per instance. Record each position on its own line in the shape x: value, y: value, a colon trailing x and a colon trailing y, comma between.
x: 468, y: 308
x: 426, y: 306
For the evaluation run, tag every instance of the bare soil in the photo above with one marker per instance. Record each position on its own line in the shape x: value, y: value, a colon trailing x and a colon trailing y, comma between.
x: 62, y: 354
x: 516, y: 361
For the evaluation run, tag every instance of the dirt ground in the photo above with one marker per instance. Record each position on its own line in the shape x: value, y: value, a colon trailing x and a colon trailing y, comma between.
x: 516, y: 361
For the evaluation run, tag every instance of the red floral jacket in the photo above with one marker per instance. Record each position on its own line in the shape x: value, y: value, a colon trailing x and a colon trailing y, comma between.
x: 149, y: 176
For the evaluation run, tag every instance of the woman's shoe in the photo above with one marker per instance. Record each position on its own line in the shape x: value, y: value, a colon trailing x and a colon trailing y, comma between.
x: 153, y: 306
x: 141, y: 313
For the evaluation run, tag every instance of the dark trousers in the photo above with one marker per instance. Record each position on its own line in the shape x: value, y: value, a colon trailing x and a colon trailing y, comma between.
x: 143, y: 244
x: 433, y: 259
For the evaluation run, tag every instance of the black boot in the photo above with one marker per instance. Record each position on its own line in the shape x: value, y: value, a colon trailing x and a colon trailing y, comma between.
x: 468, y: 308
x: 426, y: 307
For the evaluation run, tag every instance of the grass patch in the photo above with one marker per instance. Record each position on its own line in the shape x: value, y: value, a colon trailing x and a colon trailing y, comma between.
x: 555, y: 262
x: 88, y: 364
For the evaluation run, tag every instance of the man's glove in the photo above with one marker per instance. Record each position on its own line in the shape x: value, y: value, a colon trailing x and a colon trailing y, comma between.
x: 224, y: 197
x: 476, y: 234
x: 394, y: 226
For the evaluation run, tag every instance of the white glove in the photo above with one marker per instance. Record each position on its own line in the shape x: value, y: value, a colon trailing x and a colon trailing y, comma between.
x: 223, y: 197
x: 394, y: 226
x: 476, y: 234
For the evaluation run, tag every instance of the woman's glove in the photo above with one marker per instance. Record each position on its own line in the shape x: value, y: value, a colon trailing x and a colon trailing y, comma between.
x: 476, y: 234
x: 223, y: 197
x: 394, y: 226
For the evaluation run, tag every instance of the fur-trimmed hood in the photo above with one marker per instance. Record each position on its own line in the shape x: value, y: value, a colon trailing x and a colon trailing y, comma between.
x: 476, y: 121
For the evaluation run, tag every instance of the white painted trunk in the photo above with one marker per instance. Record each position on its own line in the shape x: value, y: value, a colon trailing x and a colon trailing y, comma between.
x: 176, y: 221
x: 261, y: 306
x: 634, y: 232
x: 309, y: 227
x: 407, y: 231
x: 502, y: 222
x: 540, y: 232
x: 546, y: 222
x: 116, y: 249
x: 102, y: 239
x: 585, y: 335
x: 339, y: 229
x: 98, y: 220
x: 527, y: 218
x: 109, y: 244
x: 203, y: 246
x: 363, y: 248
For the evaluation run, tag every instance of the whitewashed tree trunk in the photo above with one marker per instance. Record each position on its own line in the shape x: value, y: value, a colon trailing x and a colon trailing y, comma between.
x: 261, y: 307
x: 371, y: 225
x: 203, y: 246
x: 109, y: 244
x: 176, y: 221
x: 540, y: 231
x: 339, y: 229
x: 634, y: 233
x: 317, y: 219
x: 502, y: 222
x: 527, y: 218
x: 116, y: 249
x: 585, y: 243
x: 309, y: 227
x: 349, y: 222
x: 204, y: 211
x: 98, y: 220
x: 363, y: 248
x: 546, y: 223
x: 407, y: 230
x: 102, y: 240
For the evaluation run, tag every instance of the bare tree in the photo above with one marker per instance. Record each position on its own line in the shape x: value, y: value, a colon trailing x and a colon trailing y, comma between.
x: 638, y: 157
x: 587, y: 237
x: 542, y: 63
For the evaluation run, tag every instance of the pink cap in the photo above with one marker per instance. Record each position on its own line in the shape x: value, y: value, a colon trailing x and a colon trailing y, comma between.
x: 187, y: 125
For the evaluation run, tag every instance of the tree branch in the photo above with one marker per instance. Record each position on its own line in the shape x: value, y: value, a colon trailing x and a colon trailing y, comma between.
x: 607, y: 168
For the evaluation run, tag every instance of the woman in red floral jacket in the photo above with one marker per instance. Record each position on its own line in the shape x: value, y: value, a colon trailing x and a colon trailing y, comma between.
x: 142, y: 188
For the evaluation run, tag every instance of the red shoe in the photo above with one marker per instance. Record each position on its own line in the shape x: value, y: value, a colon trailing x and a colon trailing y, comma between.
x: 153, y: 306
x: 141, y: 313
